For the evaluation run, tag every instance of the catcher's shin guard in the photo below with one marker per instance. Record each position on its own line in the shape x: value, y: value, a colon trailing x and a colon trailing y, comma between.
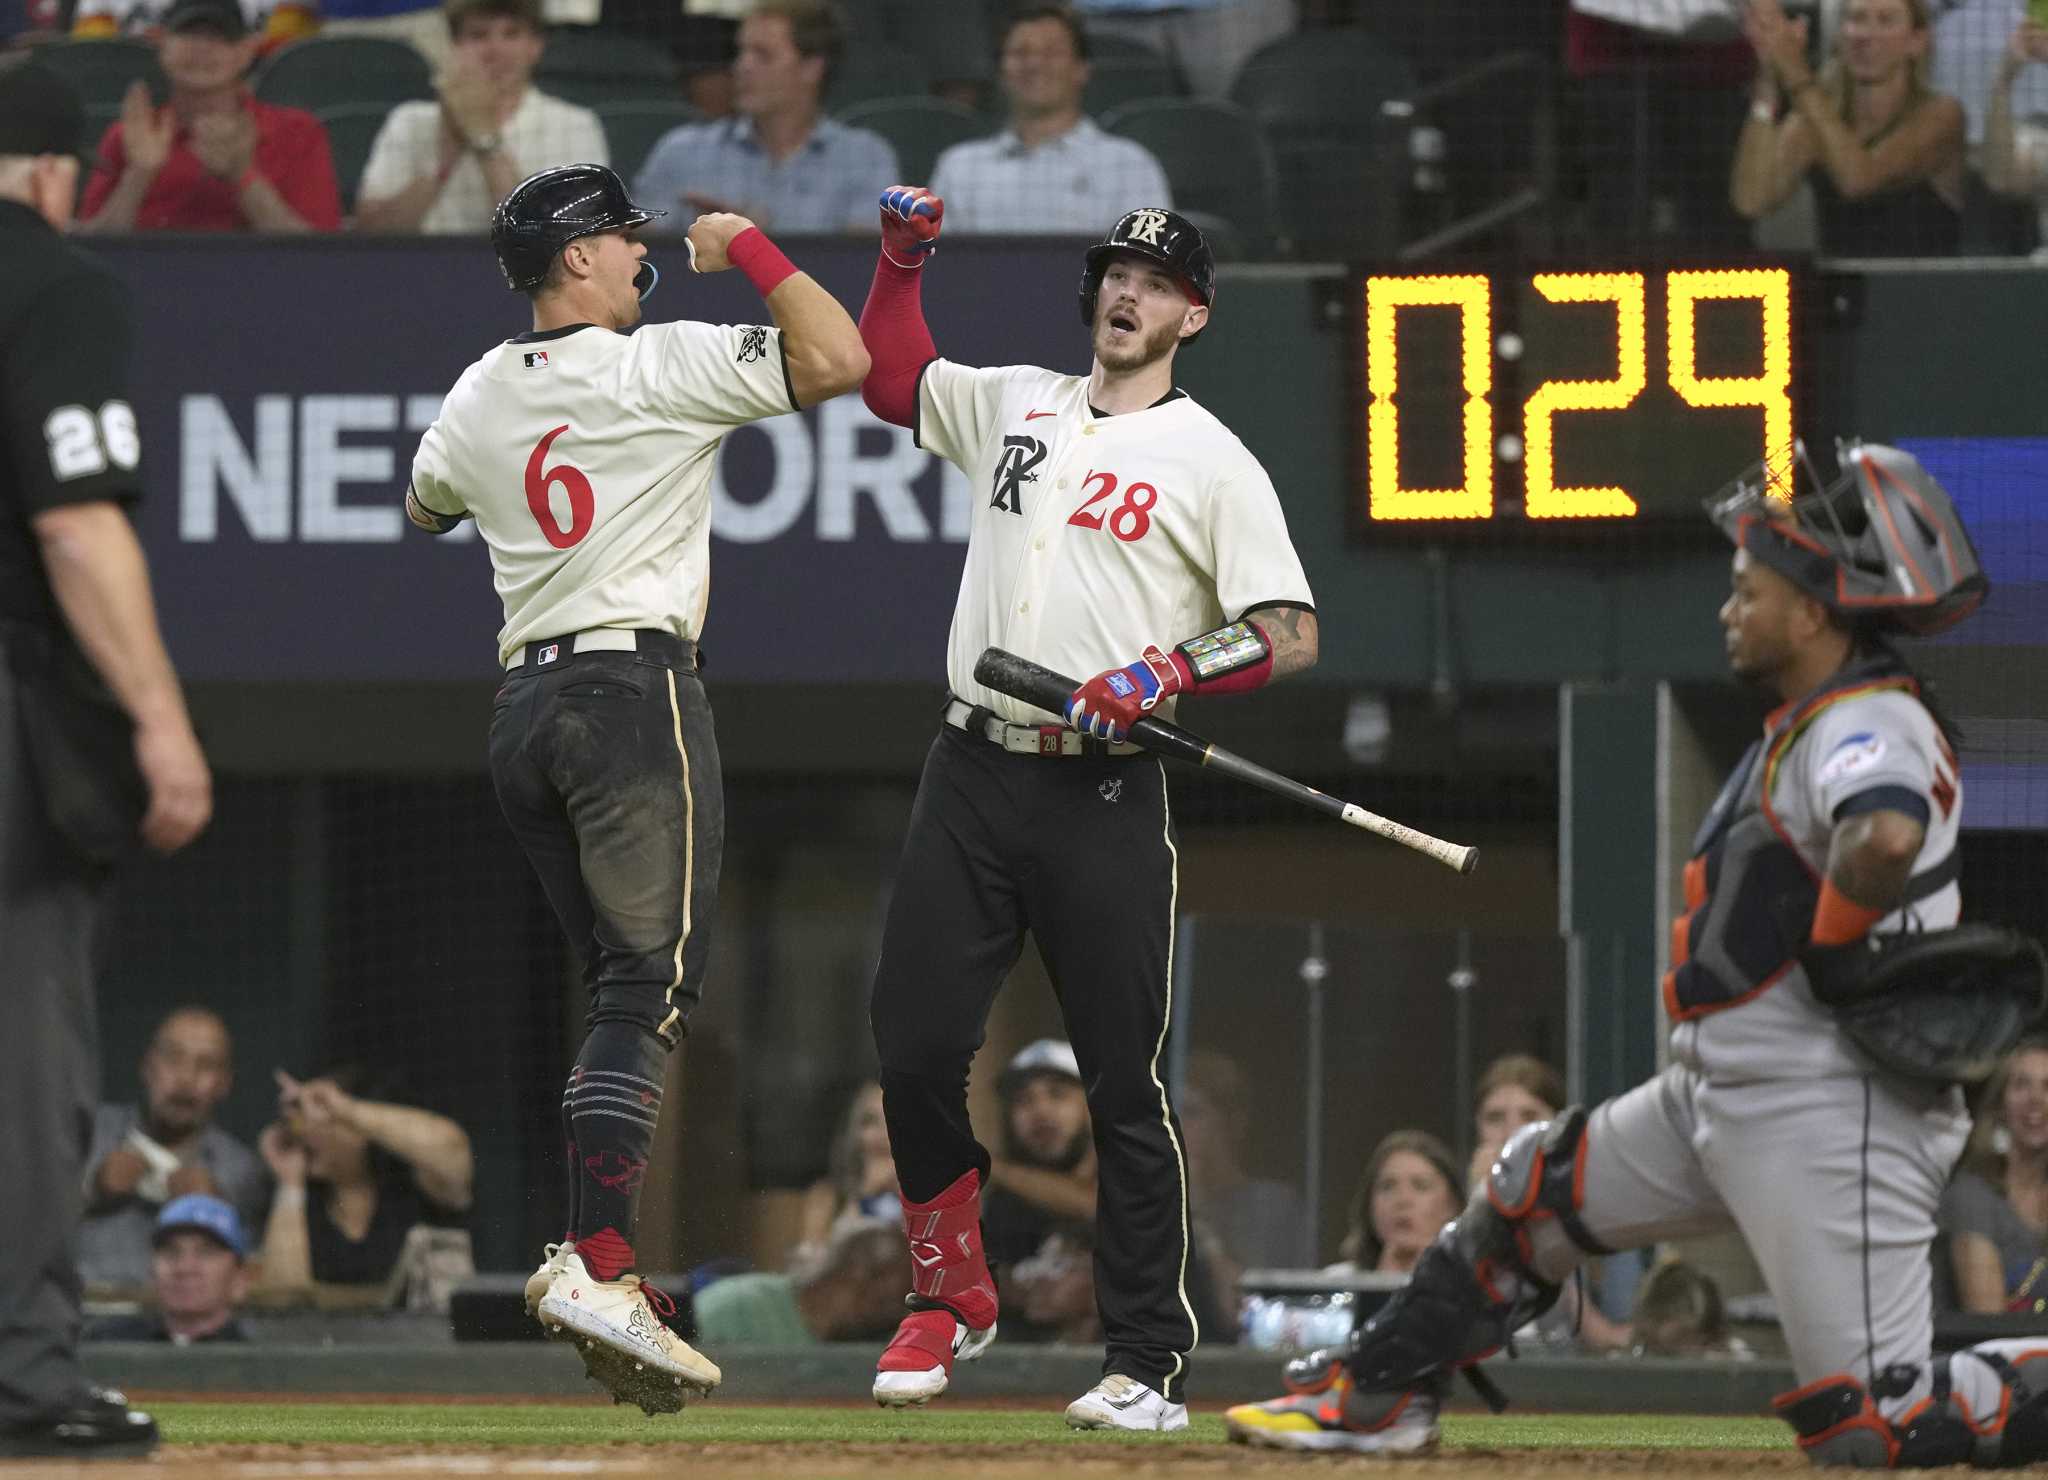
x: 1983, y: 1407
x: 1500, y: 1265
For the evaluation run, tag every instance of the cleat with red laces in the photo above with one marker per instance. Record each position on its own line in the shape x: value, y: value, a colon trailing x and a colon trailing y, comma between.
x: 625, y: 1343
x: 1340, y: 1419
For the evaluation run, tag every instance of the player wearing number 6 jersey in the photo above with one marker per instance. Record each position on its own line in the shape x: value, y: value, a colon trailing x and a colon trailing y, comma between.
x: 585, y: 455
x: 1121, y: 530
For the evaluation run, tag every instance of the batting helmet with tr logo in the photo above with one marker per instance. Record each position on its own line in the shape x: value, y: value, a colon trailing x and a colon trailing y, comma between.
x: 1157, y: 235
x: 548, y: 210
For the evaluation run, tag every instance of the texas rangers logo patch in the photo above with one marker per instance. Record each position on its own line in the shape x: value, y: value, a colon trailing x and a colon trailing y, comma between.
x: 536, y: 359
x: 753, y: 344
x: 1015, y: 468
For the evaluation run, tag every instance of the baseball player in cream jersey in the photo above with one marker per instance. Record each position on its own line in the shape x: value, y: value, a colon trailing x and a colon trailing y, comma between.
x: 1834, y: 834
x: 585, y: 455
x: 1121, y: 530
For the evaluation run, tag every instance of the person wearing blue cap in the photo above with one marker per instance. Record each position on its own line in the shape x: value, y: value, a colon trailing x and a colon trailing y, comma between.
x: 200, y: 1273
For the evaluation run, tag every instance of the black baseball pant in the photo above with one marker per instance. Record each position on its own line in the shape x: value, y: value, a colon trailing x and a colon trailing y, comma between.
x: 1080, y: 851
x: 607, y: 769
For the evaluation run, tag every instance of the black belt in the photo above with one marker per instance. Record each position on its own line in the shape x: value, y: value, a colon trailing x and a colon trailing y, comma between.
x: 665, y: 648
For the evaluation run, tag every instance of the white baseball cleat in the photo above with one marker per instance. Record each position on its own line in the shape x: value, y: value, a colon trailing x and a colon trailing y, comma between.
x: 537, y: 1283
x: 919, y: 1363
x: 1120, y: 1402
x: 617, y: 1326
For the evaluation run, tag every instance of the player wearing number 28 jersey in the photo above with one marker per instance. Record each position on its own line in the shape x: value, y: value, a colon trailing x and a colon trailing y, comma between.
x: 585, y: 455
x: 1121, y: 530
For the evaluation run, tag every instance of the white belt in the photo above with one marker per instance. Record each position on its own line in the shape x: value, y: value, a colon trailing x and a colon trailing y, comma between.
x: 591, y: 640
x: 1032, y: 739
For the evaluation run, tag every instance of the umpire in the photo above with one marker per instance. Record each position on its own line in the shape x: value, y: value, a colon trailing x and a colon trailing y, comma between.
x: 95, y: 748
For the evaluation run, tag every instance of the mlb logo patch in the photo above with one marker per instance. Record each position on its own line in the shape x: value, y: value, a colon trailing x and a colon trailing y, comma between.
x: 549, y: 653
x: 537, y: 360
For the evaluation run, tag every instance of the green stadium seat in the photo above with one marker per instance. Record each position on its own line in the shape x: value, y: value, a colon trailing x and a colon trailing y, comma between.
x: 872, y: 70
x: 633, y: 126
x: 102, y: 70
x: 593, y: 67
x: 325, y: 72
x: 351, y: 130
x: 919, y: 129
x: 1121, y: 70
x: 1214, y: 156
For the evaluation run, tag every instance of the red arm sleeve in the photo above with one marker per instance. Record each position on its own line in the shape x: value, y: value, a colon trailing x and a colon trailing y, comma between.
x: 899, y: 345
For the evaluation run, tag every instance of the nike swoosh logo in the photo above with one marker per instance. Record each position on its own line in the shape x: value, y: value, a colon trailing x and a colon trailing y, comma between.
x: 1034, y: 415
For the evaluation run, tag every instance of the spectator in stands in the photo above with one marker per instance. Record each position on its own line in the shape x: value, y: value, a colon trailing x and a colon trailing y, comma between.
x: 861, y: 1178
x: 1256, y: 1222
x: 276, y: 23
x: 1679, y: 1313
x: 1972, y: 40
x: 1208, y: 40
x: 1045, y: 1176
x: 2016, y: 154
x: 167, y: 1147
x: 442, y: 167
x: 1884, y: 153
x: 354, y: 1177
x: 418, y: 23
x: 1052, y: 169
x: 198, y: 1272
x: 215, y: 158
x: 1409, y: 1191
x: 1053, y: 1291
x: 778, y: 161
x: 1519, y: 1089
x: 1994, y: 1216
x: 852, y: 1292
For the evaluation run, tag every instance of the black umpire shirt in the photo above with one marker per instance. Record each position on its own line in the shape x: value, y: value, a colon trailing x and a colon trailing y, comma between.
x: 66, y: 428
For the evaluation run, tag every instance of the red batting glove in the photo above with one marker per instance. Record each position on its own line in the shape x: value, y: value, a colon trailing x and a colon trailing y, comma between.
x: 1110, y: 703
x: 910, y: 224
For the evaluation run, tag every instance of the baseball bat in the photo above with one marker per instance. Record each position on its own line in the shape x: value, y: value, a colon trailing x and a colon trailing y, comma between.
x: 1023, y: 679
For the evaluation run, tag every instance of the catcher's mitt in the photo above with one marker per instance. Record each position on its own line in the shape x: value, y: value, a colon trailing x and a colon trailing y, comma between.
x: 1936, y: 1005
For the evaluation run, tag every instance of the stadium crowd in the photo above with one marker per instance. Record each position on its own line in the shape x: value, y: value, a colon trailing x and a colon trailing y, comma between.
x: 1860, y: 127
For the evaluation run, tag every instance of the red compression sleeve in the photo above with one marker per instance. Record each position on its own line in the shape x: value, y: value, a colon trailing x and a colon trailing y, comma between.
x: 1243, y: 681
x: 760, y: 259
x: 1838, y: 919
x: 899, y: 344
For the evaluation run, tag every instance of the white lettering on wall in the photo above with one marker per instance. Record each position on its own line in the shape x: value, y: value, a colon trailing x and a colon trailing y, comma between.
x: 325, y: 464
x: 213, y: 461
x: 845, y: 472
x: 789, y: 490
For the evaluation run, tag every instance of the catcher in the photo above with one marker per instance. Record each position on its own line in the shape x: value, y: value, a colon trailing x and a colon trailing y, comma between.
x: 1824, y: 1008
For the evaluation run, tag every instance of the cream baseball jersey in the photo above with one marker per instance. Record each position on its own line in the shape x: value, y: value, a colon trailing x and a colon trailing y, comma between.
x: 1093, y: 536
x: 586, y: 457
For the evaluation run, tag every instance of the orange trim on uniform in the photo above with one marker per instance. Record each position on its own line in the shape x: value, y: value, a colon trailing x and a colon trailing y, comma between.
x: 1579, y: 1169
x: 1687, y: 1014
x: 1681, y: 935
x: 1694, y: 880
x: 1786, y: 1400
x: 1528, y: 1201
x: 1866, y: 1417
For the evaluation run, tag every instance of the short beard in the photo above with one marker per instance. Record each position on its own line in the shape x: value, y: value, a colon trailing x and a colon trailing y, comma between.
x: 1149, y: 350
x: 1065, y: 1159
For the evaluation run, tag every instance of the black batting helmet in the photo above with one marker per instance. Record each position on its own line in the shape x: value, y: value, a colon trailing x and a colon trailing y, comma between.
x: 1880, y: 542
x: 548, y: 210
x: 1158, y: 235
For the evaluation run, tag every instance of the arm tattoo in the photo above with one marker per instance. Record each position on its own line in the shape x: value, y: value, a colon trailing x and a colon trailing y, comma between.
x: 1293, y: 633
x: 1871, y: 857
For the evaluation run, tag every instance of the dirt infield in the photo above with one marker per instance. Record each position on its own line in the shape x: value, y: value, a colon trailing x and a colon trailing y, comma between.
x: 897, y: 1461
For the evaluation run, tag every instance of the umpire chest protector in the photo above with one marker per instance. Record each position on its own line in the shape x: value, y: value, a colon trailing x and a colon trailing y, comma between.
x: 1749, y: 892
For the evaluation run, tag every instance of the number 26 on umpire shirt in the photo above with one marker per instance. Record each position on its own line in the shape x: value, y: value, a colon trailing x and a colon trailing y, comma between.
x: 1093, y: 536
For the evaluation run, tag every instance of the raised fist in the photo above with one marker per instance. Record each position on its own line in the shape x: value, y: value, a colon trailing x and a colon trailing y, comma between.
x: 709, y: 237
x: 910, y: 224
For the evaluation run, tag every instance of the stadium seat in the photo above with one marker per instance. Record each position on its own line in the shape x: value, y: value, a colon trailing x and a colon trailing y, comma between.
x: 1214, y: 156
x: 872, y: 70
x: 918, y: 129
x: 593, y: 67
x: 1317, y: 96
x: 102, y: 70
x: 351, y: 130
x: 325, y: 72
x: 633, y: 127
x: 1121, y: 70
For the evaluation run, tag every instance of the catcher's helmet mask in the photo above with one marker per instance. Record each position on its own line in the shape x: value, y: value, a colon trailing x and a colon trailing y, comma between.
x: 554, y: 207
x: 1880, y: 543
x: 1157, y: 235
